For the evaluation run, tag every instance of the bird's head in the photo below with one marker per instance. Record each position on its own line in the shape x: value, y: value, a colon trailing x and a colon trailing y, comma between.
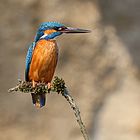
x: 50, y: 30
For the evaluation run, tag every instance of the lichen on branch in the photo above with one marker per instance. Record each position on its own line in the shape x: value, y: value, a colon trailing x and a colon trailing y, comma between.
x: 58, y: 86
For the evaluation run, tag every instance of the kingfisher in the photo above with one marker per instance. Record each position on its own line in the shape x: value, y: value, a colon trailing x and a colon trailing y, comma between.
x: 42, y: 56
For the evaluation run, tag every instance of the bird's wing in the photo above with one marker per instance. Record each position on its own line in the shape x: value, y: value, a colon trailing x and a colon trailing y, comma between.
x: 28, y: 60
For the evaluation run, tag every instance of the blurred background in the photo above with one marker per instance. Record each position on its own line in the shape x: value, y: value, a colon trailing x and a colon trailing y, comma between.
x: 101, y: 69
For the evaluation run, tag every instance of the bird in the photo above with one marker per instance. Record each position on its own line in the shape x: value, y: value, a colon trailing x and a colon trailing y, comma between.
x: 42, y: 56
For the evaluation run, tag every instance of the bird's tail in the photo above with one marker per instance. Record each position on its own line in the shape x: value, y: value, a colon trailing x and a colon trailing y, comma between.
x: 38, y: 100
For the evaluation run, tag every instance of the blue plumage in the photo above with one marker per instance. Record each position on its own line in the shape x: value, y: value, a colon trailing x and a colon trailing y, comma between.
x: 45, y: 26
x: 39, y: 98
x: 49, y: 25
x: 28, y: 60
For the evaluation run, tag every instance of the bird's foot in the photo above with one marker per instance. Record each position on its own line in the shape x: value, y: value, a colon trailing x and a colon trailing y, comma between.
x: 33, y: 84
x: 49, y: 86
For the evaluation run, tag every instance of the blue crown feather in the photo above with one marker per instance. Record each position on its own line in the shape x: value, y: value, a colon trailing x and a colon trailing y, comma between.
x: 45, y: 26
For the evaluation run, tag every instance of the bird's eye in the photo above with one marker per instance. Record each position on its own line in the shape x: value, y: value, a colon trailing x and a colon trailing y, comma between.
x: 59, y: 28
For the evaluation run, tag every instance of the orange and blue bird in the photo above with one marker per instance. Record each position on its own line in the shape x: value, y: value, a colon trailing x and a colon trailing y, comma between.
x: 42, y: 56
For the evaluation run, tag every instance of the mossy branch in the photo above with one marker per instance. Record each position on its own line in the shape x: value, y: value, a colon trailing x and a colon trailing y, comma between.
x: 59, y: 87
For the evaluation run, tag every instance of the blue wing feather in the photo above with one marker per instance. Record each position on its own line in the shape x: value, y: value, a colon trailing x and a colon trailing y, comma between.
x: 28, y: 60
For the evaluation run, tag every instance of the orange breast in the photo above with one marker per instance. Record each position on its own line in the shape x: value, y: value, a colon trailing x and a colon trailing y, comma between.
x: 44, y: 61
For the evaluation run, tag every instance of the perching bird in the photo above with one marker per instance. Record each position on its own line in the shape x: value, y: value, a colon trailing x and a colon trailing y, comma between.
x: 42, y: 56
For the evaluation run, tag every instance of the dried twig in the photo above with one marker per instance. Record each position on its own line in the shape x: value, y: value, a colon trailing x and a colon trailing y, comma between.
x: 57, y: 86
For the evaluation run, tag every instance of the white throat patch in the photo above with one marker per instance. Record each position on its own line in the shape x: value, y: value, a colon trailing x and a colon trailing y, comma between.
x: 45, y: 35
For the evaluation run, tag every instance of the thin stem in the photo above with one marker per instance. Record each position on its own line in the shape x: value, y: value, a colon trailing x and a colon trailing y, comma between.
x: 57, y: 86
x: 76, y: 112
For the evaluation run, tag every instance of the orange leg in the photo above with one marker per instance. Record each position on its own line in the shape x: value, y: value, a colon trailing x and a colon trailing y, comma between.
x: 33, y: 83
x: 49, y: 85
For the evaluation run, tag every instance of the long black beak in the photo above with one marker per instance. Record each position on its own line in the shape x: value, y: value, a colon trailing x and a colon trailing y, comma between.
x: 74, y: 30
